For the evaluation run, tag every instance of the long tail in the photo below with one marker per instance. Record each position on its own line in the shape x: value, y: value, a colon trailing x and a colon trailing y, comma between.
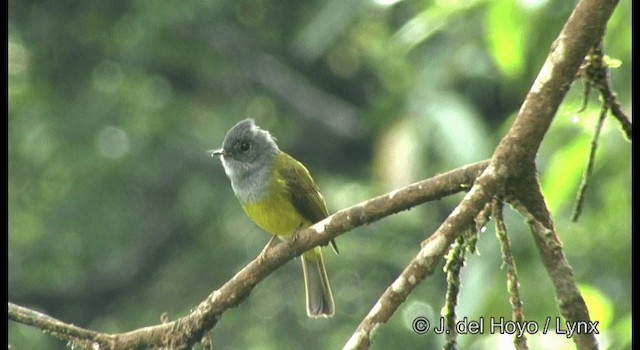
x: 316, y: 284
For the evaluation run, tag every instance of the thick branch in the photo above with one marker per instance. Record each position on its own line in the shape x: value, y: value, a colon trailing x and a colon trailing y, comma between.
x: 568, y: 297
x: 185, y: 332
x: 515, y: 155
x: 512, y: 172
x: 422, y: 265
x: 583, y: 29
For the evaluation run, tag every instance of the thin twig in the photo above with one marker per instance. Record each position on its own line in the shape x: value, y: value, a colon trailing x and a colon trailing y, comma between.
x: 453, y: 266
x: 56, y: 327
x: 595, y: 71
x: 589, y: 170
x: 513, y: 285
x: 619, y: 114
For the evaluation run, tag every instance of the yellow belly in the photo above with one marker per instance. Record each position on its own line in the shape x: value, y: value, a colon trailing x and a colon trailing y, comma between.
x: 275, y: 214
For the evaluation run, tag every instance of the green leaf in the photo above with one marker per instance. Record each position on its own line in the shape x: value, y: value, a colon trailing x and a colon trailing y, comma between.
x: 505, y: 36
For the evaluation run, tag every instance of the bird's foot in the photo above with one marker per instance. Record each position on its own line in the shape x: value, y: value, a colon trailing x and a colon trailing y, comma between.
x: 263, y: 254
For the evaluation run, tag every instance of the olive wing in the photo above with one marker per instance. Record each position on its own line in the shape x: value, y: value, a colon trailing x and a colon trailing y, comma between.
x: 303, y: 192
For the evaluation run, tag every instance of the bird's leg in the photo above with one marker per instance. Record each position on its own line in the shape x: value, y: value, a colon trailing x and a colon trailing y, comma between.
x: 270, y: 244
x: 294, y: 236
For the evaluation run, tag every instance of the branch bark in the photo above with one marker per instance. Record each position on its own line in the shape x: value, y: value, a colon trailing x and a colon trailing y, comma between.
x: 183, y: 333
x: 512, y: 174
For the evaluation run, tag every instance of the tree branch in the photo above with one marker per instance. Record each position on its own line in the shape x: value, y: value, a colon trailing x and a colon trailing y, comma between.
x: 56, y: 327
x: 188, y: 330
x: 586, y: 176
x: 512, y: 172
x: 421, y: 266
x: 455, y: 261
x: 513, y: 285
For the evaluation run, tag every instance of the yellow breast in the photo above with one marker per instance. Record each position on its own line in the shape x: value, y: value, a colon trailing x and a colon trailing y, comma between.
x: 274, y: 213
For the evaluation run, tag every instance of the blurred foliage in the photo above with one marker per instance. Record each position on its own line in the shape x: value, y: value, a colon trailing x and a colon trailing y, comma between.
x: 117, y: 214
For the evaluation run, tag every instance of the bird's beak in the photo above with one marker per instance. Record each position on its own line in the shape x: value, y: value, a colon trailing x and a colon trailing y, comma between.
x: 217, y: 152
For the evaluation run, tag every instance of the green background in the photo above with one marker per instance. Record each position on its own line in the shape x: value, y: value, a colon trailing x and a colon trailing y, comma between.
x: 118, y: 214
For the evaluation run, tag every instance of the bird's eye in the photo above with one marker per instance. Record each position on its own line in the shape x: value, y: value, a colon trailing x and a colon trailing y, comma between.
x: 245, y: 146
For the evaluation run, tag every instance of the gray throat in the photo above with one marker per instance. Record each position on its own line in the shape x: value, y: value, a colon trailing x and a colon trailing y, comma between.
x: 249, y: 182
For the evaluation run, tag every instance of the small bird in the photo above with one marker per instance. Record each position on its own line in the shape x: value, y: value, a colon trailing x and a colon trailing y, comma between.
x: 279, y: 195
